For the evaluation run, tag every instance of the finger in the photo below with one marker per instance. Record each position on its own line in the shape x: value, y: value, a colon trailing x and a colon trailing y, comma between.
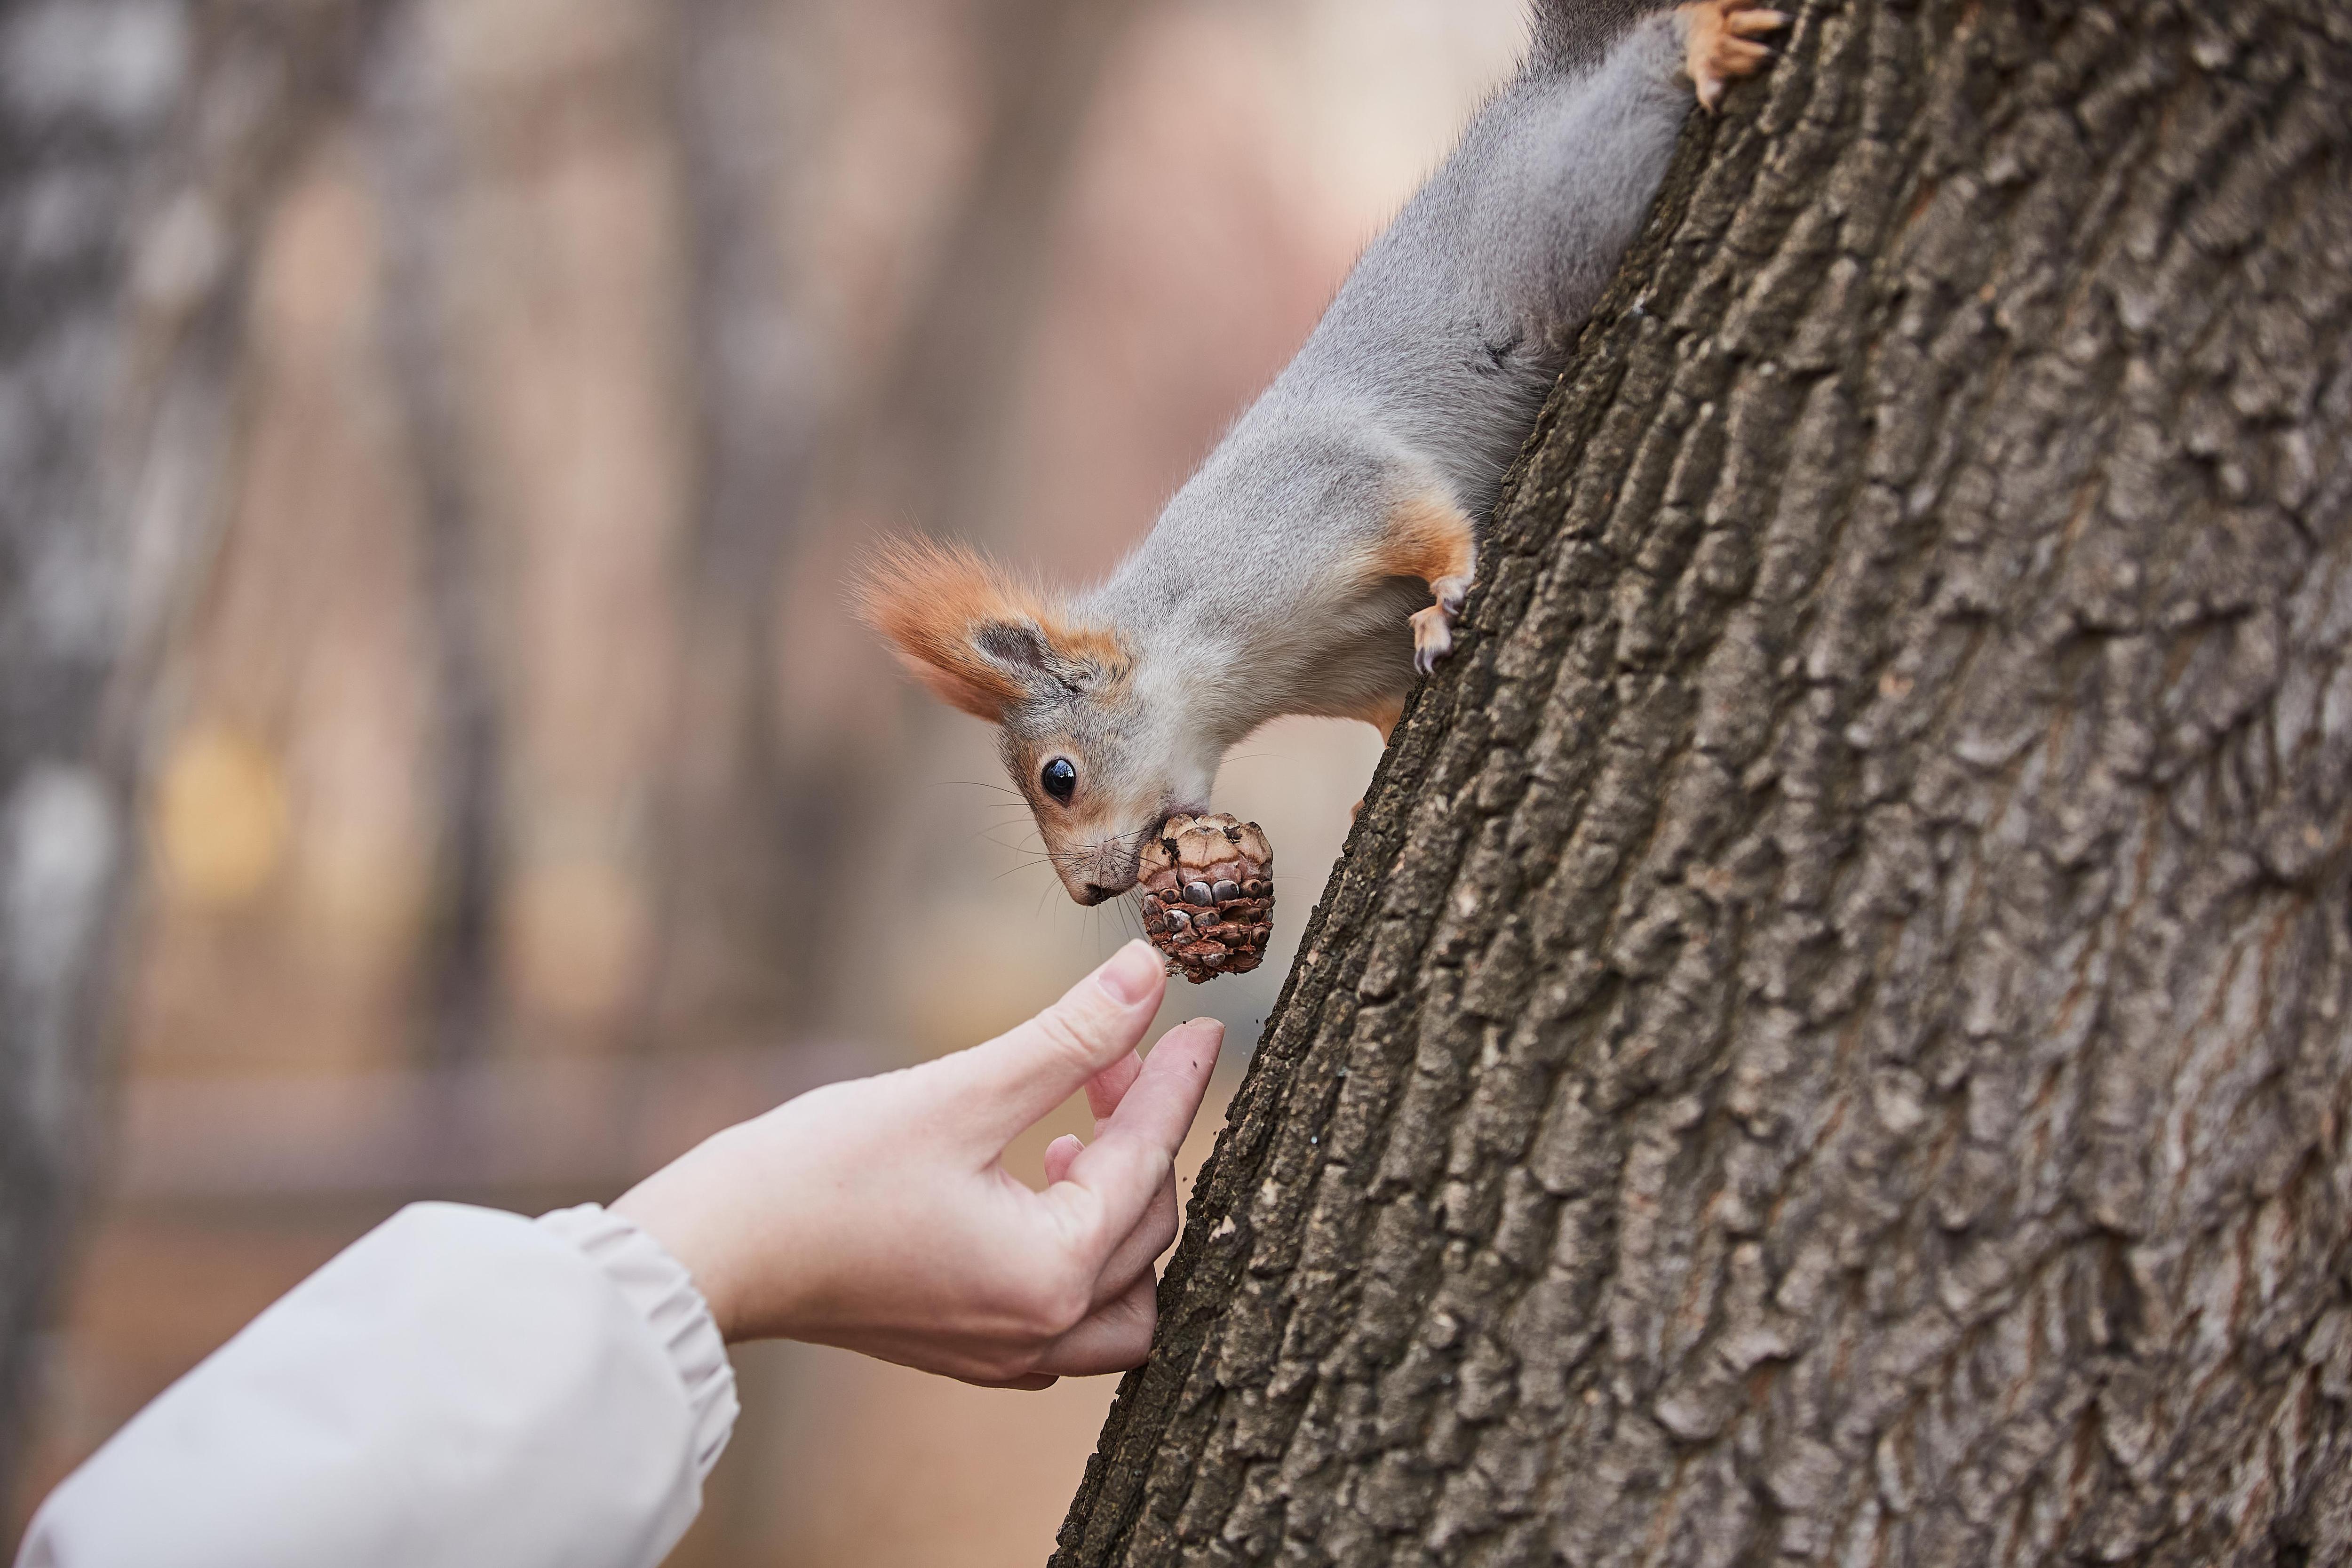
x: 1108, y: 1087
x: 1159, y: 1107
x: 1141, y: 1250
x: 1752, y: 22
x: 1112, y: 1339
x: 1029, y: 1384
x: 995, y: 1090
x: 1113, y: 1181
x: 1141, y: 1247
x: 1058, y: 1155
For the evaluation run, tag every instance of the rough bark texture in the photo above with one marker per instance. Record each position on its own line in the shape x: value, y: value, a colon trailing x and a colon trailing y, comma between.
x: 1829, y: 1041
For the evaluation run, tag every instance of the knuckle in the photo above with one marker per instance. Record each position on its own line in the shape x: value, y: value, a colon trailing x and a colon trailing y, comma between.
x: 1065, y: 1036
x: 1158, y: 1167
x: 1066, y: 1312
x: 1059, y: 1303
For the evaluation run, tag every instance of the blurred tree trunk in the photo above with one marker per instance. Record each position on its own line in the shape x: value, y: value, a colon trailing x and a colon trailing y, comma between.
x: 139, y: 142
x: 59, y: 313
x: 770, y: 830
x: 729, y: 951
x: 940, y: 437
x: 406, y: 109
x: 1830, y: 1042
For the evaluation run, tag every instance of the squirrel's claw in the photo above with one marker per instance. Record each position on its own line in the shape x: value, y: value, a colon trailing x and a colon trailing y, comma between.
x: 1433, y: 628
x: 1718, y: 44
x: 1433, y: 637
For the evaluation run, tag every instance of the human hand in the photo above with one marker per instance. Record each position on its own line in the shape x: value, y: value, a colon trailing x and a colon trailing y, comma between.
x: 877, y: 1214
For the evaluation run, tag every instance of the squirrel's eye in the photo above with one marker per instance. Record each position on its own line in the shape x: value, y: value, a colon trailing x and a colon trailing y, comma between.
x: 1060, y: 779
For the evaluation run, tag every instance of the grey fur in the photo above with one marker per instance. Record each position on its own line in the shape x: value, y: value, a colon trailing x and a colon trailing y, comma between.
x: 1249, y: 600
x: 1573, y: 35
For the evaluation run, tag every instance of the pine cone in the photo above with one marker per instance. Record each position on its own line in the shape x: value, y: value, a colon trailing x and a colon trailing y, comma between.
x: 1208, y: 895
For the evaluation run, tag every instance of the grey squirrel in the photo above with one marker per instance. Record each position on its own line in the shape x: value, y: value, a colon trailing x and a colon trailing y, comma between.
x: 1319, y: 556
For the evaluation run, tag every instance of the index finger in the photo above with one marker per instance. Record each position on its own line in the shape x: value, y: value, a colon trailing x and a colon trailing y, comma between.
x: 1159, y: 1106
x: 1108, y: 1087
x: 1118, y: 1175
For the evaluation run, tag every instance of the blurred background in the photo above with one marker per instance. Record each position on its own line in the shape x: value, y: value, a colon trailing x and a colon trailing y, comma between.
x: 519, y: 801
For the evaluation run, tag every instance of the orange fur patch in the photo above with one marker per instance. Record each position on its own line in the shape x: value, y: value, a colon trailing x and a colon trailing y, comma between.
x: 1429, y: 538
x: 1380, y: 712
x: 930, y: 600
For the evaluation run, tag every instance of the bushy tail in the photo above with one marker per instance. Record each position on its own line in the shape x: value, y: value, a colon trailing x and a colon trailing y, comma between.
x: 1572, y: 35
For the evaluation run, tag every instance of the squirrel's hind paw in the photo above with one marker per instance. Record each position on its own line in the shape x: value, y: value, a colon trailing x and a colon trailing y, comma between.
x: 1433, y: 637
x: 1433, y: 628
x: 1719, y: 43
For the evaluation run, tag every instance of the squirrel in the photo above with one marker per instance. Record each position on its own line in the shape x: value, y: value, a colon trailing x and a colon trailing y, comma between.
x: 1318, y: 559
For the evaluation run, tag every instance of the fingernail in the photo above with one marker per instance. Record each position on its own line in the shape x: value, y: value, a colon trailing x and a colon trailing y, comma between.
x: 1130, y: 975
x: 1216, y: 1024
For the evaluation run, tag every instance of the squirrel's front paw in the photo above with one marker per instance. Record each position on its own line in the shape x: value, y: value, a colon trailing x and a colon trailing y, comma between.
x: 1720, y: 43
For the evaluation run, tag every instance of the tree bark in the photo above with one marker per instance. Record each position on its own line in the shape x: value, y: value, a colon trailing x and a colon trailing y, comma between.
x: 1828, y: 1042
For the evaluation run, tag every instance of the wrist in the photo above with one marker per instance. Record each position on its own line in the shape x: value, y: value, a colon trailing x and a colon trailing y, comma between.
x: 683, y: 1206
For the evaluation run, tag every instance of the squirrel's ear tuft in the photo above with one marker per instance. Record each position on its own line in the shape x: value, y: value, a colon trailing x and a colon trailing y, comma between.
x: 976, y: 637
x: 931, y: 600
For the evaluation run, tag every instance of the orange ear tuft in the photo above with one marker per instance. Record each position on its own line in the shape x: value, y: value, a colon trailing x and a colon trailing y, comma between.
x: 934, y: 602
x: 927, y: 598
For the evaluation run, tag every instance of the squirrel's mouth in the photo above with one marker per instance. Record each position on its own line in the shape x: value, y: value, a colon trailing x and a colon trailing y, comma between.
x: 1168, y: 808
x: 1117, y: 863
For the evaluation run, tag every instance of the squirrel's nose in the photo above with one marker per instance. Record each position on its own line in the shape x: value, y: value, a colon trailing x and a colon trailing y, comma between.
x: 1095, y: 894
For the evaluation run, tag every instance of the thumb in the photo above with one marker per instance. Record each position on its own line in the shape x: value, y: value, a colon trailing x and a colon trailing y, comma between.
x: 1005, y: 1085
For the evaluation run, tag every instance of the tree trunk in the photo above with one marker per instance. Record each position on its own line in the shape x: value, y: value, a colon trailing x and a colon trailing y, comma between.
x: 404, y: 108
x: 139, y: 142
x: 1828, y: 1042
x: 76, y: 133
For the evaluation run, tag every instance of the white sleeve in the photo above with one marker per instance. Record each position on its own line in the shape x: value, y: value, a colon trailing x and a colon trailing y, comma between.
x: 460, y: 1387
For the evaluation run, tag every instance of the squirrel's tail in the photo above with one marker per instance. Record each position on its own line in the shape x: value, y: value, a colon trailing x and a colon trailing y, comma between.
x: 1572, y: 35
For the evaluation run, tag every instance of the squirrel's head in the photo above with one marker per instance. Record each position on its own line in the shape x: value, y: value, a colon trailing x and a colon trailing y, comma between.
x: 1099, y: 764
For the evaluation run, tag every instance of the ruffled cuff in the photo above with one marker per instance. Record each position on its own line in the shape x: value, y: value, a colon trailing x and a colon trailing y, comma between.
x: 658, y: 1285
